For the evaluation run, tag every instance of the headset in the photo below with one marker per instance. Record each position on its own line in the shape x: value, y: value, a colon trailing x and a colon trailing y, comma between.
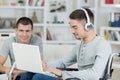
x: 88, y: 24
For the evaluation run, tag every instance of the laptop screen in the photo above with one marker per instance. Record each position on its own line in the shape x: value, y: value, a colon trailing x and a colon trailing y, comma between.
x: 27, y: 57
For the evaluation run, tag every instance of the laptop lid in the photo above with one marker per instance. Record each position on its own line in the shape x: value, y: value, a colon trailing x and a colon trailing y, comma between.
x: 27, y: 57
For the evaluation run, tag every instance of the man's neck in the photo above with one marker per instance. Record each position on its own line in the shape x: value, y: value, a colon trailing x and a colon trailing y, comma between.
x: 89, y: 38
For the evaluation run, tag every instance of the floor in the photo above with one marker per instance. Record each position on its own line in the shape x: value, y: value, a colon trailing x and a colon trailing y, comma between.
x: 116, y: 74
x: 116, y: 71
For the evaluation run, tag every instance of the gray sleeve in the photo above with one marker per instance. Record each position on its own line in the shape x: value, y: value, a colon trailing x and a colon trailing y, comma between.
x: 69, y: 59
x: 98, y: 68
x: 41, y: 46
x: 5, y: 49
x: 38, y: 42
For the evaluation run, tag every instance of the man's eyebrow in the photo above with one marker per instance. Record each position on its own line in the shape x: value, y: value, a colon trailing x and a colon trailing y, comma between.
x: 74, y: 26
x: 27, y: 30
x: 20, y: 30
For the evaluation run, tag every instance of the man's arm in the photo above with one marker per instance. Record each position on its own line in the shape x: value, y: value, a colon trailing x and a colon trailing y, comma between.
x: 67, y: 60
x: 3, y: 68
x: 7, y: 69
x: 92, y: 73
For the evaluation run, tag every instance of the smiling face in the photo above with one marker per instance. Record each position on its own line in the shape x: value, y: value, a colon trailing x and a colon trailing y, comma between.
x: 78, y: 28
x: 24, y: 33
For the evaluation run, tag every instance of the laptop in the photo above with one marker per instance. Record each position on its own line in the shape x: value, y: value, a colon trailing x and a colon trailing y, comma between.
x: 27, y: 57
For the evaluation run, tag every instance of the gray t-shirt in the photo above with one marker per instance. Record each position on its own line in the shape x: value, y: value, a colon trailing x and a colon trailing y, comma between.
x: 7, y: 49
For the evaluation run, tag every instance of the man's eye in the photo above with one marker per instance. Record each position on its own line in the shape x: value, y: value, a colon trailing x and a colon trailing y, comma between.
x: 75, y: 27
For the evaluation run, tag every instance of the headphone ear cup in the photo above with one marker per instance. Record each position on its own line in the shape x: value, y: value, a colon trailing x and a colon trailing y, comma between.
x: 88, y: 26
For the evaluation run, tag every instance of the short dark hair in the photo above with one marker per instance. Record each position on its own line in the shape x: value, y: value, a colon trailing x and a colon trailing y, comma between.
x: 24, y: 21
x: 79, y: 14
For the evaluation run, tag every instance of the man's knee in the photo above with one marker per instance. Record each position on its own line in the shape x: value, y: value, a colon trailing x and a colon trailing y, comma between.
x: 26, y: 76
x: 37, y: 77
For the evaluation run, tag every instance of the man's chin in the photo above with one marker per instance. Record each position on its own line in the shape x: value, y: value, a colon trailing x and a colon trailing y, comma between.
x: 78, y: 38
x: 23, y: 41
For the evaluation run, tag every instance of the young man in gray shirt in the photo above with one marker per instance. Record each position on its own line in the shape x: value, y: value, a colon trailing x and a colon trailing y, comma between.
x: 24, y: 34
x: 91, y: 55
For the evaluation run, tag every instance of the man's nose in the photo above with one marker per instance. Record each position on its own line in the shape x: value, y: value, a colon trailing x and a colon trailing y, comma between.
x: 24, y: 33
x: 73, y: 31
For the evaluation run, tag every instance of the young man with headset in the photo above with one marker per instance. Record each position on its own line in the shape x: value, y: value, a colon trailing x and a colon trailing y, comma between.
x: 91, y: 55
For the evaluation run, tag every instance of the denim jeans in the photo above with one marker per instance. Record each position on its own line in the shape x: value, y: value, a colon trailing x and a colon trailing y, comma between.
x: 27, y: 76
x: 43, y: 77
x: 33, y: 76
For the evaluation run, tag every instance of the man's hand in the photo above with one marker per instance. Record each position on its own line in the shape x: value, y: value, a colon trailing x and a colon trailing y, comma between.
x: 16, y: 73
x: 55, y: 71
x: 44, y: 65
x: 52, y: 70
x: 7, y: 70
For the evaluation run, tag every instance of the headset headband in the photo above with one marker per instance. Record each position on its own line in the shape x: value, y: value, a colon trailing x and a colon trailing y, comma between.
x: 87, y: 16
